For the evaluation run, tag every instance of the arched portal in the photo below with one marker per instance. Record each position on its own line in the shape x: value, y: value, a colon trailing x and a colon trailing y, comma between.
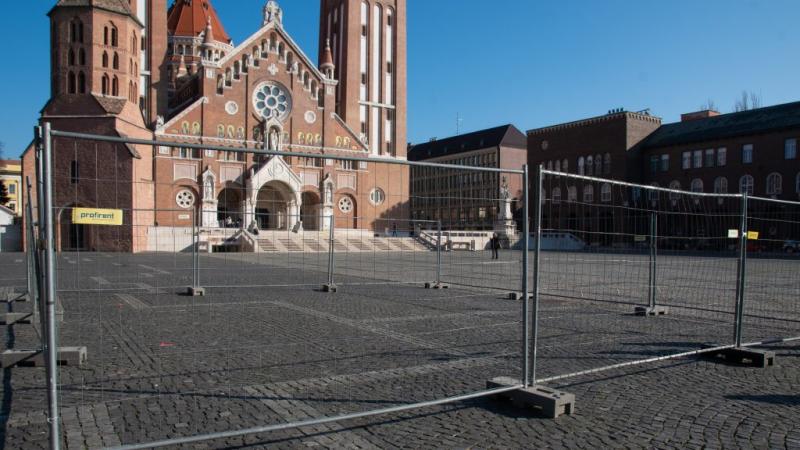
x: 272, y: 206
x: 310, y: 211
x: 229, y: 207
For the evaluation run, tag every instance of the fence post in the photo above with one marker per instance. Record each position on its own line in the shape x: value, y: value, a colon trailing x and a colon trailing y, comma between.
x: 195, y: 290
x: 740, y: 274
x: 537, y: 241
x: 50, y: 293
x: 653, y: 257
x: 439, y: 253
x: 330, y: 286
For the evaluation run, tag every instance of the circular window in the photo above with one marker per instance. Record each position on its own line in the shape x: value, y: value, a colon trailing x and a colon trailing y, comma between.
x: 231, y: 108
x: 185, y: 199
x: 272, y: 100
x: 377, y: 196
x: 346, y: 205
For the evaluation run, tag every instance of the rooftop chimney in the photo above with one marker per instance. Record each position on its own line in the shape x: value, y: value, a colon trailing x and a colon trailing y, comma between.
x: 705, y: 114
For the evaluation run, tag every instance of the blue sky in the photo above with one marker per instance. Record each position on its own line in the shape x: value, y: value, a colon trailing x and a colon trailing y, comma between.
x: 527, y: 62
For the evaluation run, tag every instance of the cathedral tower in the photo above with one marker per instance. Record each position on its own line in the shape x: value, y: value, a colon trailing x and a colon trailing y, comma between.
x: 368, y: 43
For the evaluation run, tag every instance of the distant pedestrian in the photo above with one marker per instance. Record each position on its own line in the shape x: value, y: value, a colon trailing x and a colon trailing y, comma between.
x: 394, y: 230
x: 495, y: 244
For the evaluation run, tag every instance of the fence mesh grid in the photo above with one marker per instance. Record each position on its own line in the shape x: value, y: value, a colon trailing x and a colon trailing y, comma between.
x: 266, y: 345
x: 608, y: 248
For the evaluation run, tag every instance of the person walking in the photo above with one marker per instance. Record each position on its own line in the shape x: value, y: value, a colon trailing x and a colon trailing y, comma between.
x: 495, y: 244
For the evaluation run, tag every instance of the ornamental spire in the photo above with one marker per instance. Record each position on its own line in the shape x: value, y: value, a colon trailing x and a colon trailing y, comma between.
x: 273, y: 13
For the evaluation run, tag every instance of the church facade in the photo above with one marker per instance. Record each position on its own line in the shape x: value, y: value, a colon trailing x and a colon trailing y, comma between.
x: 139, y: 69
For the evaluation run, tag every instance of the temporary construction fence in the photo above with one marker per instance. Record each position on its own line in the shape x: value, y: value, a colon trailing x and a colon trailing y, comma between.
x: 289, y: 295
x: 628, y: 274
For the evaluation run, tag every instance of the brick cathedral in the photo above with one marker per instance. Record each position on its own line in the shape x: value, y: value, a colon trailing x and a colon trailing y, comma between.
x: 140, y: 69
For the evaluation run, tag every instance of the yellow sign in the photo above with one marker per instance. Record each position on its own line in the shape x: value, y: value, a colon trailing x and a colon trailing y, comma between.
x: 94, y: 216
x: 752, y: 235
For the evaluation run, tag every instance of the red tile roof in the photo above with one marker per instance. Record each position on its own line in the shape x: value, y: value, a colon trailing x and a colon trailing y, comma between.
x: 190, y: 18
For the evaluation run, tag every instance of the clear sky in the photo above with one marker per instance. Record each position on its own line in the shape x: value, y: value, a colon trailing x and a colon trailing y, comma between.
x: 527, y: 62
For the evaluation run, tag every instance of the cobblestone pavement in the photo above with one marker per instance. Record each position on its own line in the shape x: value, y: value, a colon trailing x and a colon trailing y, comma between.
x: 274, y: 349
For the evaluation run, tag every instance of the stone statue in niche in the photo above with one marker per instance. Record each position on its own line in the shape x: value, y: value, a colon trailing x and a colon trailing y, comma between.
x: 208, y: 188
x: 327, y: 186
x: 295, y: 67
x: 504, y: 193
x: 159, y: 122
x: 273, y: 139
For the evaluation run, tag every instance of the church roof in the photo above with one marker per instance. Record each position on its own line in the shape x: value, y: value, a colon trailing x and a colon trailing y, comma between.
x: 117, y: 6
x: 191, y: 17
x: 506, y: 136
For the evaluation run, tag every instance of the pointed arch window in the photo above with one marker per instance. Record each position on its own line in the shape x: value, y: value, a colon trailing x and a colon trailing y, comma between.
x: 104, y: 85
x: 607, y: 164
x: 71, y: 89
x: 590, y: 165
x: 115, y: 87
x: 114, y: 36
x: 116, y: 61
x: 105, y: 35
x: 105, y: 60
x: 82, y: 57
x: 71, y: 58
x: 81, y: 83
x: 581, y: 167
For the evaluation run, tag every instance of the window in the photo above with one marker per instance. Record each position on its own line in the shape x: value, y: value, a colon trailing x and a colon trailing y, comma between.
x: 81, y: 83
x: 12, y: 188
x: 722, y: 157
x: 697, y: 185
x: 746, y: 184
x: 556, y: 193
x: 797, y: 183
x: 747, y: 154
x: 71, y: 83
x: 589, y: 165
x: 665, y: 163
x: 607, y: 164
x: 710, y: 157
x: 105, y: 36
x: 652, y: 194
x: 71, y: 58
x: 74, y: 173
x: 697, y: 160
x: 105, y: 59
x: 116, y: 61
x: 377, y: 196
x: 687, y: 160
x: 346, y: 165
x: 654, y: 164
x: 105, y: 85
x: 588, y: 194
x: 605, y: 193
x: 185, y: 199
x: 346, y: 205
x: 790, y: 149
x: 82, y: 57
x: 565, y: 166
x: 721, y: 185
x: 774, y: 184
x: 114, y: 37
x: 557, y: 166
x: 581, y: 170
x: 598, y: 165
x: 115, y: 86
x: 675, y: 185
x: 572, y: 194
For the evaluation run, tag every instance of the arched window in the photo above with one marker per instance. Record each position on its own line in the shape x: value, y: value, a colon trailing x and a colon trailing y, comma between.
x: 797, y: 183
x: 572, y: 194
x: 114, y: 36
x: 104, y: 85
x: 82, y: 57
x: 557, y: 166
x: 105, y: 59
x: 115, y: 86
x: 134, y: 42
x: 130, y: 91
x: 721, y: 185
x: 581, y: 169
x: 605, y: 193
x: 556, y: 195
x: 746, y: 184
x: 565, y: 166
x: 652, y: 194
x: 607, y: 164
x: 588, y: 194
x: 598, y: 165
x: 675, y: 185
x: 774, y: 184
x: 549, y: 165
x: 81, y: 83
x: 76, y: 31
x: 105, y: 35
x: 220, y: 84
x: 71, y: 58
x: 116, y: 61
x: 590, y: 165
x: 71, y: 87
x: 290, y: 60
x: 697, y: 185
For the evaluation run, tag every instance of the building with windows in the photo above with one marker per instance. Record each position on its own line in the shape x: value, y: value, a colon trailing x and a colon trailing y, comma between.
x: 751, y: 151
x: 467, y: 200
x: 11, y: 177
x: 138, y: 69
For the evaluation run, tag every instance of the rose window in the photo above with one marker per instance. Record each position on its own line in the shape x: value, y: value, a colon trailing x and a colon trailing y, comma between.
x: 272, y: 101
x: 185, y: 199
x: 345, y: 205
